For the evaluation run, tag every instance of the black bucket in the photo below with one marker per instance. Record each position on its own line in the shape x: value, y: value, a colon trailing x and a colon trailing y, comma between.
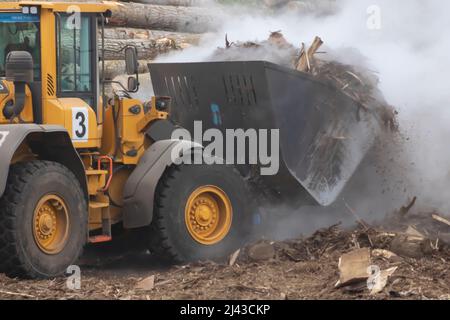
x: 324, y: 135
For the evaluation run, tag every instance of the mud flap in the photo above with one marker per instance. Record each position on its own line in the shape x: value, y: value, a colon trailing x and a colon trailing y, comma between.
x: 140, y: 188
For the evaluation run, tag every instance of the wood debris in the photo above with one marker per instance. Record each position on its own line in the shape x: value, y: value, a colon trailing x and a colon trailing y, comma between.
x: 381, y: 280
x: 261, y: 251
x: 234, y: 257
x: 146, y: 284
x: 306, y: 59
x: 441, y: 219
x: 404, y: 210
x: 315, y: 262
x: 353, y: 267
x: 386, y: 254
x: 357, y: 83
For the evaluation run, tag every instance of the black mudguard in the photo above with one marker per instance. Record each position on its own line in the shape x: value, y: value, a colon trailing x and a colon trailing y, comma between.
x: 139, y: 192
x: 50, y: 142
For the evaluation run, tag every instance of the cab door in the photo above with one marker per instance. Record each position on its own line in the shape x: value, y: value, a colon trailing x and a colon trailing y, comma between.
x: 77, y: 76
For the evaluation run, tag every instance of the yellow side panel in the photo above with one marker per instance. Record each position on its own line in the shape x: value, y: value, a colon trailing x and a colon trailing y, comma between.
x: 27, y: 113
x: 109, y: 134
x: 59, y: 6
x: 53, y: 112
x: 77, y: 117
x: 132, y: 140
x: 48, y: 59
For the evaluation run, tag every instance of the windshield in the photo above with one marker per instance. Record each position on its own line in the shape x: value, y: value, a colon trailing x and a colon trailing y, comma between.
x: 20, y: 32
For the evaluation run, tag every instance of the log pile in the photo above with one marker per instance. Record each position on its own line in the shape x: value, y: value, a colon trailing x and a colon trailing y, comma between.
x: 165, y: 17
x: 150, y: 44
x: 157, y: 27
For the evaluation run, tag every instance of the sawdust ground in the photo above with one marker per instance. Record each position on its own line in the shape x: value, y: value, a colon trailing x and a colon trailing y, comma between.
x: 301, y: 269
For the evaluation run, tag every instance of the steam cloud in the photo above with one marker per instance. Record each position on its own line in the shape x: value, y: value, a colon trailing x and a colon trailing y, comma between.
x: 410, y: 53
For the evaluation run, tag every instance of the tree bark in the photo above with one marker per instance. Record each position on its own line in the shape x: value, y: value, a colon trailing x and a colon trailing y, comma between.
x: 275, y: 3
x: 147, y: 49
x: 114, y: 68
x: 119, y: 33
x: 317, y: 7
x: 182, y: 3
x: 187, y: 19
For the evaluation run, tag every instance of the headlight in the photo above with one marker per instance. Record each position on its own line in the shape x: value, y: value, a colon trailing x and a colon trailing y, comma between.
x: 163, y: 103
x: 29, y: 10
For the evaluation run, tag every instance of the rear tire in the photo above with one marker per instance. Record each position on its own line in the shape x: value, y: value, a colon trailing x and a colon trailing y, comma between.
x: 172, y: 237
x: 43, y: 220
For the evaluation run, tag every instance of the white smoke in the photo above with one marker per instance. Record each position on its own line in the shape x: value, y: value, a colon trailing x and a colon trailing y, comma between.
x: 407, y: 43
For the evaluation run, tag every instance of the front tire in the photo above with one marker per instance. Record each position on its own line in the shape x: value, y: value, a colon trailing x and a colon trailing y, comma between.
x: 43, y: 220
x: 202, y: 212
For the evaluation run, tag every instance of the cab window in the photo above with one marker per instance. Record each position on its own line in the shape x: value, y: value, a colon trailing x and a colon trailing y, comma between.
x: 75, y: 55
x: 20, y: 32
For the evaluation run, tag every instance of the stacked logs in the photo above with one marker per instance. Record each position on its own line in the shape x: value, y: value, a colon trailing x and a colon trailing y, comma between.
x: 158, y: 27
x: 155, y: 27
x: 150, y: 44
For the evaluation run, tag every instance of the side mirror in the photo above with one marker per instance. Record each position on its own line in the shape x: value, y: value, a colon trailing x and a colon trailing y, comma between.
x: 133, y: 84
x: 19, y: 67
x: 131, y: 60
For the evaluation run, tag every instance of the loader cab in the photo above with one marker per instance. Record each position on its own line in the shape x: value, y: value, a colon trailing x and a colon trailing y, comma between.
x: 63, y: 43
x: 76, y: 53
x: 77, y: 57
x: 20, y: 32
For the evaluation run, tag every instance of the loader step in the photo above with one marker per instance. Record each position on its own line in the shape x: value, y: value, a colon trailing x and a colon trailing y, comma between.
x: 99, y: 213
x: 100, y: 239
x: 96, y: 180
x: 98, y: 205
x: 96, y: 172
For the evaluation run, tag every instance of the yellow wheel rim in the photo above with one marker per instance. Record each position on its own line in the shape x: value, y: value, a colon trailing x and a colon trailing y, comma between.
x: 209, y: 214
x: 51, y: 224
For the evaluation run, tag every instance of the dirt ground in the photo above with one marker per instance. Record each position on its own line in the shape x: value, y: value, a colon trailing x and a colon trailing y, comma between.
x: 305, y: 268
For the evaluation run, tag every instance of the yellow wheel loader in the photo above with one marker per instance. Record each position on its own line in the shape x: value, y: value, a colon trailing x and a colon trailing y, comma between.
x: 74, y: 163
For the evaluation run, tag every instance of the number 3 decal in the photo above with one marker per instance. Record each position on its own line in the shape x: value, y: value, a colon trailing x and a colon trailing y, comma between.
x: 80, y: 124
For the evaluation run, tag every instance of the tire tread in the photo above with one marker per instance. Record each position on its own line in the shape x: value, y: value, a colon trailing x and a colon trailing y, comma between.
x: 12, y: 262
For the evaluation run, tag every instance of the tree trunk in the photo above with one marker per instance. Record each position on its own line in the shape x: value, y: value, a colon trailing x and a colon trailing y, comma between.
x: 187, y: 19
x: 114, y: 68
x: 183, y: 3
x: 147, y: 49
x: 317, y: 7
x: 144, y: 34
x: 275, y: 3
